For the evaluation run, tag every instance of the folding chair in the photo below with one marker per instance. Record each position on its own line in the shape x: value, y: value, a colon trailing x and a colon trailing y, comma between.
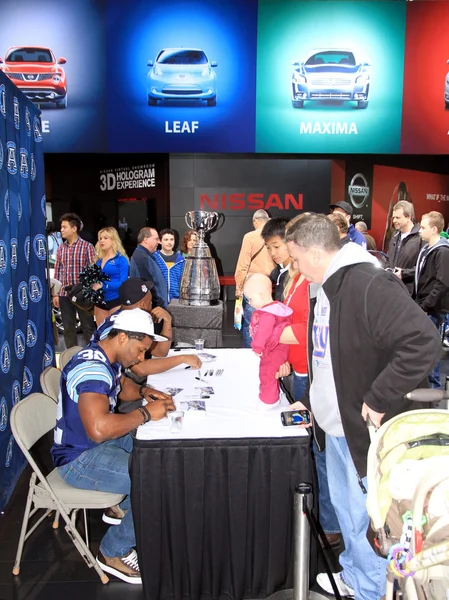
x: 50, y: 380
x: 66, y: 355
x: 32, y: 418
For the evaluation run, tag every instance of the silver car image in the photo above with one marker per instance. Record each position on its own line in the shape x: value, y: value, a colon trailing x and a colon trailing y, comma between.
x: 330, y: 74
x: 182, y: 74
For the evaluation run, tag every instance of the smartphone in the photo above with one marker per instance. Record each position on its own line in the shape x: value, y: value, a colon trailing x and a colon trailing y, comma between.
x: 295, y: 417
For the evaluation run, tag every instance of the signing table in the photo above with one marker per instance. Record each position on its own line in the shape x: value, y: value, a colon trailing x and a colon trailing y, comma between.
x: 213, y: 504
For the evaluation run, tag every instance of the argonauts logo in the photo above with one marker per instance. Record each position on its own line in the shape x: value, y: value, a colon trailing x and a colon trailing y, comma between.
x: 24, y: 163
x: 5, y: 357
x: 22, y: 294
x: 16, y: 392
x: 3, y: 414
x: 35, y: 289
x: 16, y: 113
x: 32, y: 168
x: 27, y: 121
x: 27, y: 381
x: 7, y: 205
x: 11, y: 158
x: 44, y: 205
x: 9, y: 452
x: 40, y: 246
x: 3, y: 100
x: 9, y: 304
x: 3, y: 257
x: 31, y: 334
x: 14, y: 253
x: 19, y: 344
x: 48, y: 356
x: 37, y: 130
x: 27, y: 248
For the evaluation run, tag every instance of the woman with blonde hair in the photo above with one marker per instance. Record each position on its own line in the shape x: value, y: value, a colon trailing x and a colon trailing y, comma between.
x: 111, y: 257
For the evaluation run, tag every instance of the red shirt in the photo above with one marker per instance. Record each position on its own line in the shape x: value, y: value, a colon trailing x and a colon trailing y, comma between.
x: 298, y: 301
x: 71, y: 261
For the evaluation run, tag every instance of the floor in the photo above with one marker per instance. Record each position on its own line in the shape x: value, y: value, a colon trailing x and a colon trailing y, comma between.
x: 51, y: 568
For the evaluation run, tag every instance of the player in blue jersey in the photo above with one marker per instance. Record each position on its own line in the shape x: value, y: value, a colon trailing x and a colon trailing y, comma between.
x: 92, y: 444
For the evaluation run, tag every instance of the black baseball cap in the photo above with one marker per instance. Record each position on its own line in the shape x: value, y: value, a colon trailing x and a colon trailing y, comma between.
x: 133, y: 290
x: 344, y: 206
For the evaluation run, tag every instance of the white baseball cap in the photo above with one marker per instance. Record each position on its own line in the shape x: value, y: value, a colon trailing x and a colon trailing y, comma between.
x: 137, y: 320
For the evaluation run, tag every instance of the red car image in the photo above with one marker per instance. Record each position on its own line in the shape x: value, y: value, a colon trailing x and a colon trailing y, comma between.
x: 37, y: 73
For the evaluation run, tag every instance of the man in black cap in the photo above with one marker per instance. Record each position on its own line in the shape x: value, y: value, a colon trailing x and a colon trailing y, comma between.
x: 136, y: 293
x: 346, y: 209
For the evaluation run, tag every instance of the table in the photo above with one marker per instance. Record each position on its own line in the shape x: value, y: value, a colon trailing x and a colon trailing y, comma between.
x: 213, y: 504
x: 193, y: 322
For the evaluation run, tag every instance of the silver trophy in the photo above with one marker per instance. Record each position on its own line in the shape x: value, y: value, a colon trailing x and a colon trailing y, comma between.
x: 199, y: 283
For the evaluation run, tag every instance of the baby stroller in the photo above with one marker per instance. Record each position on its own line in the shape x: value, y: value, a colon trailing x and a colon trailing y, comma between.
x: 408, y: 499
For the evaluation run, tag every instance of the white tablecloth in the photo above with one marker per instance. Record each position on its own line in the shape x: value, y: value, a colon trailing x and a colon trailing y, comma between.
x: 233, y: 411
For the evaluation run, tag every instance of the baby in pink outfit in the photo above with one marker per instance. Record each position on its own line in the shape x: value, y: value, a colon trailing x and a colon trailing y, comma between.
x: 267, y: 324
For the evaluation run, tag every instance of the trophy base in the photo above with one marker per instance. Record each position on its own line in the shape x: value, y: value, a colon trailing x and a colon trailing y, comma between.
x: 193, y: 302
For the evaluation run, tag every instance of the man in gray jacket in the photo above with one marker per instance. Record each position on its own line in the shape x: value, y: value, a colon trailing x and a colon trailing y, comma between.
x: 364, y: 356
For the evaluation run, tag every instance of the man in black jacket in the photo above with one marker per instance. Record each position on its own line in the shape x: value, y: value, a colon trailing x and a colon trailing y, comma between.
x: 364, y: 356
x: 432, y: 276
x: 405, y: 244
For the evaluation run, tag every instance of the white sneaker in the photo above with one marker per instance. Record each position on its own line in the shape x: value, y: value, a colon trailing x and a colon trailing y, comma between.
x: 324, y: 582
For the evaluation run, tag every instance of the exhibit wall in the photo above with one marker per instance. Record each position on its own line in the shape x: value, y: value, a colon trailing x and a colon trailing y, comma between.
x: 427, y: 191
x: 383, y: 186
x: 283, y: 76
x: 236, y: 187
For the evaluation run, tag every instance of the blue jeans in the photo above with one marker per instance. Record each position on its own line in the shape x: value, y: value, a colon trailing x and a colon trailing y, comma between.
x: 363, y: 570
x: 246, y: 319
x: 328, y: 518
x: 106, y: 468
x: 434, y: 375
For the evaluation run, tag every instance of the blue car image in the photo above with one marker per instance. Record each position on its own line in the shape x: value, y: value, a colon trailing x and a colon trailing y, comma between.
x: 330, y: 74
x: 182, y: 74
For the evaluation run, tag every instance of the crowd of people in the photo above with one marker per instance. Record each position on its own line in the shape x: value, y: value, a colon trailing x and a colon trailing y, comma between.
x: 359, y: 340
x: 70, y: 255
x: 353, y: 337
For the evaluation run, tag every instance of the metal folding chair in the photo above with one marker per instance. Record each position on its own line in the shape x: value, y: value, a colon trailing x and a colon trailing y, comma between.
x: 50, y: 381
x: 66, y: 355
x: 32, y: 418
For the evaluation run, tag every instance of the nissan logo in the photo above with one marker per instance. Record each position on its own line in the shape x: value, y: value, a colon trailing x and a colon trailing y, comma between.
x: 358, y: 190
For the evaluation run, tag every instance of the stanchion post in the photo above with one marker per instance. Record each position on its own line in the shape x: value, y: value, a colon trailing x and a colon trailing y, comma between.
x: 301, y: 557
x: 446, y: 387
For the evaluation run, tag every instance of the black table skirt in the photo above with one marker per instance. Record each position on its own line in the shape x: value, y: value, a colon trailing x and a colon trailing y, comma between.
x: 214, y: 518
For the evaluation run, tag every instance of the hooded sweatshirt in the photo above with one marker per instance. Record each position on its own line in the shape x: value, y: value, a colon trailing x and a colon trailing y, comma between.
x: 323, y: 395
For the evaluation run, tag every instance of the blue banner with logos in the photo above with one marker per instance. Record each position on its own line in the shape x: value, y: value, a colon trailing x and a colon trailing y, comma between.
x: 26, y: 340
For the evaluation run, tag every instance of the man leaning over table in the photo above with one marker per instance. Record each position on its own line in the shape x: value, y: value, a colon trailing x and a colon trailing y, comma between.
x: 92, y: 443
x: 356, y: 372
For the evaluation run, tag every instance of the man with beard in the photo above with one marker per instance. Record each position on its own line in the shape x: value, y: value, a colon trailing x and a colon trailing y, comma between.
x: 92, y: 443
